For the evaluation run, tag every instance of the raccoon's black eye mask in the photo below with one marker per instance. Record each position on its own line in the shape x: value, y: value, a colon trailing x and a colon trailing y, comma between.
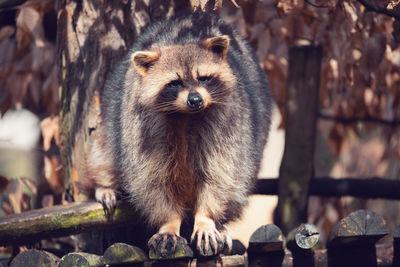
x: 174, y: 83
x: 205, y: 78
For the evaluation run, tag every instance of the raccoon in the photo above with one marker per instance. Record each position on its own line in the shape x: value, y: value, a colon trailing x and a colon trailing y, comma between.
x: 185, y: 117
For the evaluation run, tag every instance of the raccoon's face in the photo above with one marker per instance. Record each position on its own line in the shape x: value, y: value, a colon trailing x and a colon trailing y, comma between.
x: 185, y: 78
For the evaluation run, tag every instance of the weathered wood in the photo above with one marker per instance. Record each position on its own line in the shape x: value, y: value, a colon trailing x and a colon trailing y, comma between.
x: 331, y: 187
x: 297, y: 166
x: 384, y: 254
x: 396, y: 247
x: 266, y: 246
x: 225, y: 261
x: 304, y: 237
x: 362, y: 227
x: 62, y: 220
x: 35, y: 258
x: 300, y: 242
x: 81, y: 259
x: 352, y: 240
x: 123, y: 253
x: 267, y: 238
x: 182, y: 250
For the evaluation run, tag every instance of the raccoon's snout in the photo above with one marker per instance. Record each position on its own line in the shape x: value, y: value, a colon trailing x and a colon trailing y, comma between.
x: 195, y: 101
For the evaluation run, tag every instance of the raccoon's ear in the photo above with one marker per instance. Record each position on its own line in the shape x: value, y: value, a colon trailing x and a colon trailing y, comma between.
x: 218, y: 45
x: 143, y: 60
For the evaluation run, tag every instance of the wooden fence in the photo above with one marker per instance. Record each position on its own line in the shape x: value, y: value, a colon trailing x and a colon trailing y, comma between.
x: 352, y: 242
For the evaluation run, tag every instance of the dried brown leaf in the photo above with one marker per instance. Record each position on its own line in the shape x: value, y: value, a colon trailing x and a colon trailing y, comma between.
x: 29, y: 27
x: 17, y: 84
x: 49, y: 95
x: 50, y: 129
x: 373, y: 53
x: 6, y: 206
x: 3, y: 183
x: 7, y: 52
x: 25, y: 203
x: 15, y: 195
x: 47, y: 201
x: 30, y: 184
x: 52, y: 172
x: 6, y: 32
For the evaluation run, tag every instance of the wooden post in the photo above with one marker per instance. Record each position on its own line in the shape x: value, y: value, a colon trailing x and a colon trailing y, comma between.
x: 396, y: 247
x: 266, y: 247
x: 300, y: 242
x: 352, y: 240
x: 297, y: 166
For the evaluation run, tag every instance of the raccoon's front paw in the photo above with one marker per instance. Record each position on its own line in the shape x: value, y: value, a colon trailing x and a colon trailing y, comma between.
x: 165, y: 245
x: 208, y: 241
x: 107, y: 197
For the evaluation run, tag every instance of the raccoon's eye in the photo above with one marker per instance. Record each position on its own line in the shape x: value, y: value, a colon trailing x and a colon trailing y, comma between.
x: 174, y: 83
x: 204, y: 78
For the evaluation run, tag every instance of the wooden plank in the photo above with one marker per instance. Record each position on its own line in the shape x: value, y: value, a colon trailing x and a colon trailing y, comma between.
x: 62, y: 220
x: 297, y: 166
x: 375, y: 187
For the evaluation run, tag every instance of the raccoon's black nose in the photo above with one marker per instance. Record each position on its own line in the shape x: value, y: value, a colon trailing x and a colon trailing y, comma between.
x: 195, y: 101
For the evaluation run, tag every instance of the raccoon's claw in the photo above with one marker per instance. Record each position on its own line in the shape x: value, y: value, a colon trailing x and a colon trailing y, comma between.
x: 227, y: 240
x: 208, y: 241
x: 163, y: 245
x: 107, y: 197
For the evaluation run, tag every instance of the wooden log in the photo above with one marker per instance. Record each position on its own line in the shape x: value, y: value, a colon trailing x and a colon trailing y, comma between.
x: 267, y: 238
x: 300, y: 242
x: 297, y: 166
x: 352, y: 240
x: 361, y: 227
x: 182, y: 250
x: 123, y: 253
x: 81, y: 259
x: 266, y: 246
x: 304, y: 237
x: 62, y: 220
x: 35, y: 258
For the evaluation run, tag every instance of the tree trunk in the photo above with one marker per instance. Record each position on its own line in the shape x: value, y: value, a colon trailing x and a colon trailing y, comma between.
x: 93, y: 36
x: 297, y: 166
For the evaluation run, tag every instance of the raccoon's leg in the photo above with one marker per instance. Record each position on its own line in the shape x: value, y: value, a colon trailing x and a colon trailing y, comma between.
x: 209, y: 237
x: 100, y: 174
x: 164, y: 242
